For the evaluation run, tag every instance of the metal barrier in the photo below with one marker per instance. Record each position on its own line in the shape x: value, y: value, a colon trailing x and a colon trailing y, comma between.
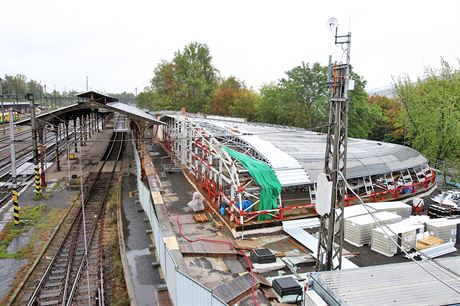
x: 183, y: 290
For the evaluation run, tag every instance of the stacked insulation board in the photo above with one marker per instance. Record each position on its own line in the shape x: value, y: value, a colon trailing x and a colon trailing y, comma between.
x: 396, y: 207
x: 358, y: 229
x: 445, y: 229
x: 356, y: 210
x: 405, y: 234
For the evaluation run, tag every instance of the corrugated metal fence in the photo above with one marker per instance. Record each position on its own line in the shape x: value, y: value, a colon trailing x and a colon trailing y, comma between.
x: 182, y: 289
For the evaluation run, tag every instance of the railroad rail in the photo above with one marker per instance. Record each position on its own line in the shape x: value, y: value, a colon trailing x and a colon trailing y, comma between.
x: 73, y: 271
x: 25, y: 154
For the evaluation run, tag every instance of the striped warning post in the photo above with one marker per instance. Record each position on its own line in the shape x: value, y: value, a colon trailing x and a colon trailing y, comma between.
x: 37, y: 180
x: 15, y: 207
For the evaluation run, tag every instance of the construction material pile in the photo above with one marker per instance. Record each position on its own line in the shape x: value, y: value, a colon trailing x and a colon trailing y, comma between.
x: 403, y: 234
x: 445, y: 229
x: 396, y: 207
x: 358, y: 229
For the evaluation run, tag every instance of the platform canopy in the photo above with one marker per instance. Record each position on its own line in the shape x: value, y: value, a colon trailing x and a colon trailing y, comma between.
x: 94, y: 96
x: 94, y: 101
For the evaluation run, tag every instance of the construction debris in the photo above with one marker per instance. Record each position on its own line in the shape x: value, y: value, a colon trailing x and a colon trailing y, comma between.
x: 267, y: 267
x: 358, y: 229
x: 230, y: 291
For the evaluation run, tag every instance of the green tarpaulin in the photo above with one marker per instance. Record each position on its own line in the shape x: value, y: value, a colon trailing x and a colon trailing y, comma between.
x: 265, y: 177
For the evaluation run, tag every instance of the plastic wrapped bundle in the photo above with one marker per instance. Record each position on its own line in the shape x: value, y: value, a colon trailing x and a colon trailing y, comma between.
x: 403, y: 233
x: 396, y: 207
x: 197, y: 202
x: 358, y: 229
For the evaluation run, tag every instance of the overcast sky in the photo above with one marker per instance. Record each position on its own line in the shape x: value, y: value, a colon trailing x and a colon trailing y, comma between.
x: 117, y: 44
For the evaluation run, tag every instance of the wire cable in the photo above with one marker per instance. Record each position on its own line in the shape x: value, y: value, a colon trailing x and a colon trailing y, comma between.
x: 403, y: 241
x: 241, y: 252
x: 381, y: 225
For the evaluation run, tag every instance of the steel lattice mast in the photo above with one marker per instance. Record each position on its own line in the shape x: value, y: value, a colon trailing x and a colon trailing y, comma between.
x: 330, y: 238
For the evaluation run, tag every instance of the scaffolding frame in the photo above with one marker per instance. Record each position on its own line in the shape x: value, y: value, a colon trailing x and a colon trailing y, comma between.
x: 196, y: 146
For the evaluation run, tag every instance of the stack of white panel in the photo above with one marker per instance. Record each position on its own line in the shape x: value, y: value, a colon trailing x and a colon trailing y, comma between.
x: 358, y: 229
x: 356, y: 210
x: 445, y: 229
x: 396, y: 207
x: 403, y: 233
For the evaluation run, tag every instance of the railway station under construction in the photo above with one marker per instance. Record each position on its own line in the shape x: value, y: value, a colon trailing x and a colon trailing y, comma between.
x: 258, y: 182
x: 205, y: 146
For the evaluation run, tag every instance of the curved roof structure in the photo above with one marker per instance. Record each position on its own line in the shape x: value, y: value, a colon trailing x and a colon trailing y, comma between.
x: 297, y: 155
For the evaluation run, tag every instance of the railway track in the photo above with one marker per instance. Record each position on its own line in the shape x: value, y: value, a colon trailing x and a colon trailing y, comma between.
x: 26, y: 155
x: 71, y: 271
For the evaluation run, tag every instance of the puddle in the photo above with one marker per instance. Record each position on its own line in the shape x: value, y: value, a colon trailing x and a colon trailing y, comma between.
x: 140, y: 262
x: 19, y: 242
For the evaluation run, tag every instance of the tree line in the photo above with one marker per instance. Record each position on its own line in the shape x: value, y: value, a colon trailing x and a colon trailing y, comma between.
x: 19, y: 84
x: 423, y: 114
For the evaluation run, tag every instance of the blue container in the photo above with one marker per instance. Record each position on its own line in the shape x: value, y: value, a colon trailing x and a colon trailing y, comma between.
x: 246, y: 204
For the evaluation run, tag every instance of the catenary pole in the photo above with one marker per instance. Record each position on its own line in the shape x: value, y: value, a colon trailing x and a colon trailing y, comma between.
x: 30, y: 97
x: 14, y: 192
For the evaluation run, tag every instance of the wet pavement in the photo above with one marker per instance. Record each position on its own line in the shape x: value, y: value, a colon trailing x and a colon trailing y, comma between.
x: 144, y: 277
x: 8, y: 270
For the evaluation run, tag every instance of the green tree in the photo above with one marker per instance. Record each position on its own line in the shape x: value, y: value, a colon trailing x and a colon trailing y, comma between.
x: 187, y: 81
x: 245, y: 104
x: 224, y: 96
x: 166, y: 87
x: 266, y: 109
x: 196, y: 75
x: 146, y: 100
x: 389, y: 127
x: 15, y: 84
x: 124, y: 97
x: 431, y: 111
x: 302, y: 99
x: 362, y: 116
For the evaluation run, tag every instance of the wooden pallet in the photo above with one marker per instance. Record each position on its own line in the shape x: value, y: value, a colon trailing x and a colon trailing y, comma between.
x: 428, y: 242
x: 133, y: 194
x: 200, y: 218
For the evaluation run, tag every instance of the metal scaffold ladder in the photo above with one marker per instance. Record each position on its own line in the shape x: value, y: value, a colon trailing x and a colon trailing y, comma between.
x: 390, y: 181
x: 420, y: 174
x: 368, y: 185
x: 406, y: 177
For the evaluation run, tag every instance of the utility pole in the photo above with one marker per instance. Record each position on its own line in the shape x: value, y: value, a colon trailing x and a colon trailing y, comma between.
x: 30, y: 97
x: 14, y: 192
x: 330, y: 240
x: 86, y: 83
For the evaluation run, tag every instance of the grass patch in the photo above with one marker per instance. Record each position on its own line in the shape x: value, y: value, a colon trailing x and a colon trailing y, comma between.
x: 115, y: 275
x: 28, y: 216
